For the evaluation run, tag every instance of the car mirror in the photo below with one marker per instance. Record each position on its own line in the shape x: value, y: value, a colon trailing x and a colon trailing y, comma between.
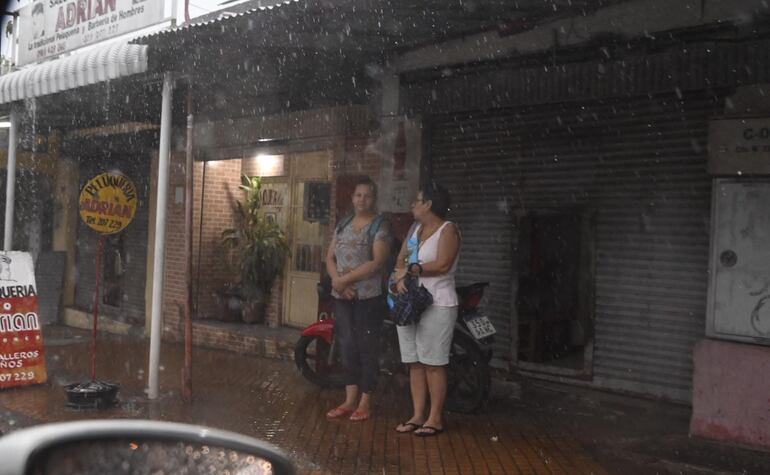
x: 136, y: 446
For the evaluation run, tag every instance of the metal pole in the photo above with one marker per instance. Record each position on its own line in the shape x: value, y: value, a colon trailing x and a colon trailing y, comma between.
x: 188, y: 251
x: 15, y: 45
x: 99, y: 253
x: 160, y: 236
x: 10, y: 180
x: 174, y: 7
x: 200, y: 235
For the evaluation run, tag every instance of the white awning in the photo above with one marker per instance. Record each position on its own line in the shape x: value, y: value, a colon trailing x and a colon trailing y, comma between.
x: 99, y: 64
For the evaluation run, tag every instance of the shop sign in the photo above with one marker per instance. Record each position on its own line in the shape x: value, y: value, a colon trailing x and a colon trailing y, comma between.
x: 739, y: 146
x: 22, y: 359
x: 108, y: 203
x: 274, y: 204
x: 317, y: 202
x: 50, y: 28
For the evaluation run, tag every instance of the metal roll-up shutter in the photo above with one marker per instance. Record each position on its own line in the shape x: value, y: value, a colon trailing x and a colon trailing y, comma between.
x: 640, y: 164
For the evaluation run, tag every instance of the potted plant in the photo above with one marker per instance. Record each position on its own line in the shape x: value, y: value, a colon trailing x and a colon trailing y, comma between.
x: 260, y: 248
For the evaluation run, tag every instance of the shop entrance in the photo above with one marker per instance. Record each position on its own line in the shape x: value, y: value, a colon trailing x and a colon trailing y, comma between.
x: 555, y: 289
x: 309, y: 217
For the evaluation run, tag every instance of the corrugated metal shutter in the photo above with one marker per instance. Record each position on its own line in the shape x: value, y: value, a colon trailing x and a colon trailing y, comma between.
x: 641, y: 165
x: 700, y: 66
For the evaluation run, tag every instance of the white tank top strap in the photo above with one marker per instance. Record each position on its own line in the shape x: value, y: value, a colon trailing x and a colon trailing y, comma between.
x: 441, y: 228
x: 436, y: 235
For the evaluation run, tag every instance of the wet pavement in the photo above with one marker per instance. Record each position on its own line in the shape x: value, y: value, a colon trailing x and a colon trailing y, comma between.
x: 532, y: 428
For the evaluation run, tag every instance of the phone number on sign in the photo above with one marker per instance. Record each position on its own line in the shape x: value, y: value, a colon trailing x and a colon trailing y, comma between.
x: 20, y: 376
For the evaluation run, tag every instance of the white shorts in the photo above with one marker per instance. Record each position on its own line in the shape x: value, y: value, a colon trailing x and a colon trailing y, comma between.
x: 430, y: 340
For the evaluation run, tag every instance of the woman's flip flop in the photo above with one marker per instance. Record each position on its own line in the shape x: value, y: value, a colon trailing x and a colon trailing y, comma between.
x: 359, y: 416
x: 428, y: 432
x: 338, y: 412
x: 410, y: 427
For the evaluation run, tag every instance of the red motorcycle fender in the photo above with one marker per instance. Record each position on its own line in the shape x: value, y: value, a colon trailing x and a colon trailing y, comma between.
x: 323, y: 329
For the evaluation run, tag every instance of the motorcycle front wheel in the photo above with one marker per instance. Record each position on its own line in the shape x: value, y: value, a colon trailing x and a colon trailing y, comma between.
x: 312, y: 357
x: 468, y: 376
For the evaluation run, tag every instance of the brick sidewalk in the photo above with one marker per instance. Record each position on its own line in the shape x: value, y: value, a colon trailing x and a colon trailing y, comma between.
x: 269, y: 400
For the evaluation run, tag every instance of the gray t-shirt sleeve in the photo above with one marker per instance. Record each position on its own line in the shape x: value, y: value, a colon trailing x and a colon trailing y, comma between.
x: 384, y: 233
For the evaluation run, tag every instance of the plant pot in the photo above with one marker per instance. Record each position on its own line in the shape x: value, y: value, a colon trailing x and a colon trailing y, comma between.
x: 230, y: 305
x: 253, y: 311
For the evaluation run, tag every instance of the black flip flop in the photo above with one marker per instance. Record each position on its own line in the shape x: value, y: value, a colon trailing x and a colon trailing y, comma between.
x: 412, y: 427
x: 431, y: 431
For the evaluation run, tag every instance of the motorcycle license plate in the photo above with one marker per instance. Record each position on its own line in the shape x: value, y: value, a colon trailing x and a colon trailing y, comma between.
x: 480, y: 327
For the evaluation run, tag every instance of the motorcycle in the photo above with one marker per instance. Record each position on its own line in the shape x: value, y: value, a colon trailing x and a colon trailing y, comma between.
x: 468, y: 375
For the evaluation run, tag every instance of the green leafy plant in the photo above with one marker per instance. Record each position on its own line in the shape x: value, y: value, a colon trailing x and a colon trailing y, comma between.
x: 259, y: 243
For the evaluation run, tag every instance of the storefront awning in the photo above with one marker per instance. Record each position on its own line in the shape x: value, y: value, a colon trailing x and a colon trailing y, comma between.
x: 99, y: 64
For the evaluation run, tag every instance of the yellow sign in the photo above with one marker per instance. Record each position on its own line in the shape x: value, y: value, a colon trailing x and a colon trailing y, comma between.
x: 108, y: 203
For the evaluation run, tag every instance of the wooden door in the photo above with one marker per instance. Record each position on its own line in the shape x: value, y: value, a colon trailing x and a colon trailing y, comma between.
x: 309, y: 217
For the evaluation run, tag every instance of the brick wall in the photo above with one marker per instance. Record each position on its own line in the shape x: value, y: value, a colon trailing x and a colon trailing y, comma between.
x: 174, y: 287
x: 274, y: 309
x: 216, y: 269
x: 251, y: 340
x: 216, y: 266
x: 221, y: 187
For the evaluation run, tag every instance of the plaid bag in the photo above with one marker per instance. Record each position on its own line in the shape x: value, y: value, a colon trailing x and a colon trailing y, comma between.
x: 408, y: 307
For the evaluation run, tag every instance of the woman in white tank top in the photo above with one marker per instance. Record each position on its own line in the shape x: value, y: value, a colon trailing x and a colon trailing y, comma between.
x: 434, y: 243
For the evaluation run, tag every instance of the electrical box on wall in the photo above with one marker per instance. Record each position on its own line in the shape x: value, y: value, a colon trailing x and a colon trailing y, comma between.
x: 739, y: 286
x: 739, y: 146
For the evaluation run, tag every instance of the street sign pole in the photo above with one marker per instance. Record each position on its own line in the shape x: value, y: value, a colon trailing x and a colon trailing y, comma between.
x: 99, y: 253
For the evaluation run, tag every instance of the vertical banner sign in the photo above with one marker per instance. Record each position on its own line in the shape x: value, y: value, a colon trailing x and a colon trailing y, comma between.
x: 399, y: 147
x: 22, y: 360
x: 52, y: 27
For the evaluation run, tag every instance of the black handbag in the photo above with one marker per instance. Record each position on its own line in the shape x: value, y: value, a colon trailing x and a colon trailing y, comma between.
x: 409, y: 306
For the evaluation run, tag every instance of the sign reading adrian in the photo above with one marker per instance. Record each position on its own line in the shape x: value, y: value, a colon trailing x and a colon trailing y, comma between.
x: 22, y: 360
x: 52, y: 27
x: 108, y: 203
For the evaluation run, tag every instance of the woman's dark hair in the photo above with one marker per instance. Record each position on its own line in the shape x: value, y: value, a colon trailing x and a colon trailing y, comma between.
x: 366, y: 181
x: 439, y: 198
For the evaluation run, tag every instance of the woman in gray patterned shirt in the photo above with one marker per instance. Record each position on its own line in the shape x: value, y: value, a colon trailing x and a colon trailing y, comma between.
x: 355, y: 261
